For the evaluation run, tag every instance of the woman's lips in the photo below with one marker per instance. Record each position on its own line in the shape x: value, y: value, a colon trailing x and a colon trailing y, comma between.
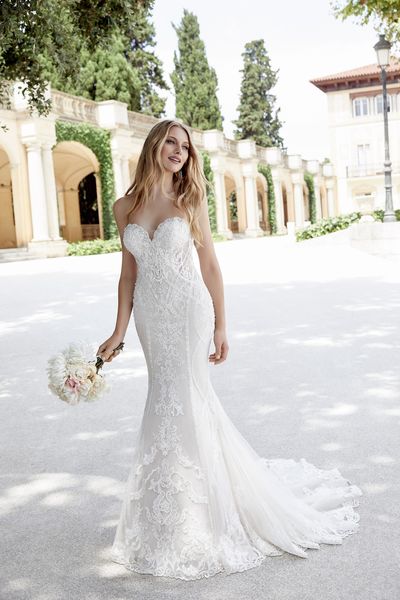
x: 174, y: 159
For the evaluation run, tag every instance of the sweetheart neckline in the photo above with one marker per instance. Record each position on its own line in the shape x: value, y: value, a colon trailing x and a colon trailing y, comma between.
x: 157, y: 228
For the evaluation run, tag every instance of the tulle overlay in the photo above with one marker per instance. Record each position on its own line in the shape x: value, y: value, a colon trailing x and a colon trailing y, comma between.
x: 199, y: 500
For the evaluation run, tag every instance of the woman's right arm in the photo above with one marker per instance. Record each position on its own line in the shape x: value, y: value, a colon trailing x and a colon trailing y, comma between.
x: 126, y: 286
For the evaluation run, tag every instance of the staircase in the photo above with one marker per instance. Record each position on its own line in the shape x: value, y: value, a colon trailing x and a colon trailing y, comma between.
x: 13, y: 254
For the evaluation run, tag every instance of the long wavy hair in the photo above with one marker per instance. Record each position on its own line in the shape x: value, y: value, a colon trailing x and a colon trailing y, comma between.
x: 189, y: 184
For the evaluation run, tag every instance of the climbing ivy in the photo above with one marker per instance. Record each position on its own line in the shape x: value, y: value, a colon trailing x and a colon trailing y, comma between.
x: 98, y: 140
x: 309, y: 179
x: 210, y: 191
x: 266, y: 171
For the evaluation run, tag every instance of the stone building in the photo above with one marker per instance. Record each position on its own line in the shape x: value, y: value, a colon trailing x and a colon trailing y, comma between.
x: 355, y: 120
x: 51, y: 192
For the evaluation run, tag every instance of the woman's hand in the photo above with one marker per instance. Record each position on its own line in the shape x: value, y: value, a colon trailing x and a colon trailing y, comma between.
x: 221, y: 347
x: 106, y: 349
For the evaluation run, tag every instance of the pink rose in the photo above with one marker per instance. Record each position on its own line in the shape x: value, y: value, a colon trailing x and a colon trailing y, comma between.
x: 72, y: 384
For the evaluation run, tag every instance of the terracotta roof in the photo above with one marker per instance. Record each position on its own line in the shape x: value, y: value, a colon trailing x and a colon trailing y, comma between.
x: 367, y: 75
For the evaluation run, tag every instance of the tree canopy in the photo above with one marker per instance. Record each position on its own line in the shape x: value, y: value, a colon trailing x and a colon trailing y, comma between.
x: 384, y: 15
x: 95, y: 49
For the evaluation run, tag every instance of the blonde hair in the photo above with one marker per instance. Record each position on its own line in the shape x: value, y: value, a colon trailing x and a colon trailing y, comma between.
x: 189, y: 184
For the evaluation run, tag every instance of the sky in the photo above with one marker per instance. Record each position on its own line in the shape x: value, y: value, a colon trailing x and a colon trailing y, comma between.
x: 303, y: 40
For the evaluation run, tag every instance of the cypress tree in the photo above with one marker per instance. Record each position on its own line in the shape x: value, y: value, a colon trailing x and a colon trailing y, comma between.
x: 195, y: 82
x: 256, y: 119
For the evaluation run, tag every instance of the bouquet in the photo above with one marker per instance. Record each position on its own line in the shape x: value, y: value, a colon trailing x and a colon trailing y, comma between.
x: 73, y: 377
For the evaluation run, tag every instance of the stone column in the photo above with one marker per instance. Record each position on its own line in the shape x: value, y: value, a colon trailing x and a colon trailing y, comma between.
x: 126, y: 178
x: 37, y: 193
x: 249, y: 170
x: 297, y: 180
x: 330, y: 197
x: 313, y: 167
x: 280, y: 215
x: 317, y: 190
x: 327, y: 171
x: 51, y: 193
x: 220, y: 202
x: 118, y: 175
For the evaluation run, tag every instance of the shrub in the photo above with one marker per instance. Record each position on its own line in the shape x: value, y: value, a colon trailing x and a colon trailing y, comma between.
x: 97, y: 246
x: 379, y: 213
x: 325, y: 226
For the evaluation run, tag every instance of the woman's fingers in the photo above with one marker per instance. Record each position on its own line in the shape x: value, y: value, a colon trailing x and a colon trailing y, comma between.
x: 218, y: 358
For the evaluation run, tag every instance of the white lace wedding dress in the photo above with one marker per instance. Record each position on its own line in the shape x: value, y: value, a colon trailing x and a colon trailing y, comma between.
x: 199, y: 500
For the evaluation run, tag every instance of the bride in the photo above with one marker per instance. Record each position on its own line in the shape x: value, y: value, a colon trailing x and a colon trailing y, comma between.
x: 199, y: 500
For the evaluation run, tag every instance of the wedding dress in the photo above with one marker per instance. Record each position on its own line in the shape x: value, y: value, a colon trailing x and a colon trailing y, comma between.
x: 199, y: 500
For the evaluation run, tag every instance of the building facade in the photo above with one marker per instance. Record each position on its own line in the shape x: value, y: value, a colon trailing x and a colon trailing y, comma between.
x: 355, y: 115
x: 51, y: 191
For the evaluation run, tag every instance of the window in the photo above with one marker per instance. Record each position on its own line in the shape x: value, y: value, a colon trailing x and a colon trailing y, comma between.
x: 360, y: 107
x: 379, y: 103
x: 362, y: 154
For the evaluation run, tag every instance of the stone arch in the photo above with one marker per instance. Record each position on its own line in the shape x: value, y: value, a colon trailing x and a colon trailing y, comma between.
x: 8, y: 237
x: 75, y: 165
x: 232, y: 202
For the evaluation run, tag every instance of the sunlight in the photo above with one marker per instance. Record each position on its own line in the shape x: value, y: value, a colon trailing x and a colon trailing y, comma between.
x: 386, y: 519
x: 331, y: 447
x: 340, y: 408
x: 265, y: 409
x: 58, y: 499
x: 382, y: 393
x: 104, y: 486
x: 42, y: 484
x: 91, y: 435
x: 317, y: 342
x: 18, y: 585
x: 376, y: 488
x: 381, y: 460
x: 315, y: 423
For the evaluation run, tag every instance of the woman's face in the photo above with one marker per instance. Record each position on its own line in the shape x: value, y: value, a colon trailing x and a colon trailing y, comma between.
x: 175, y: 150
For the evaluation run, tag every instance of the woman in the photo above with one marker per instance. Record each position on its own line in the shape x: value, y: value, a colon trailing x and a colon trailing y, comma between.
x: 198, y: 499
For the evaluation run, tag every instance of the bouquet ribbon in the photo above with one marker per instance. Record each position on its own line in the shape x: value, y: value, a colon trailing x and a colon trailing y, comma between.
x: 100, y: 361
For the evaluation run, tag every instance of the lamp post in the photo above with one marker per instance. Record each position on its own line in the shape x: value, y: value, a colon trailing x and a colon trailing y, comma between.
x: 382, y: 48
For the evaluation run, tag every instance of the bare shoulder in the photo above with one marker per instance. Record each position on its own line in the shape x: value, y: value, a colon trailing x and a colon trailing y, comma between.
x: 120, y: 209
x: 122, y: 205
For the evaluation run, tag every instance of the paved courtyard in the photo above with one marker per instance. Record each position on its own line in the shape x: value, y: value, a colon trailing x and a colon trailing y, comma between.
x: 313, y: 371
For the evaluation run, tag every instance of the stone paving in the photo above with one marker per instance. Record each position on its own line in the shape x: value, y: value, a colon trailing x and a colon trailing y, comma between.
x: 313, y: 372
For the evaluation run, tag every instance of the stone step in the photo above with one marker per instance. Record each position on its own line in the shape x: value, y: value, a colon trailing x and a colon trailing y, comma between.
x: 13, y: 254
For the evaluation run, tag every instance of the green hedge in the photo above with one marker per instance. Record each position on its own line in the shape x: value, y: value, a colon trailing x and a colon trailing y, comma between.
x: 208, y: 172
x: 325, y: 226
x: 266, y: 171
x: 332, y: 224
x: 97, y: 246
x: 309, y: 179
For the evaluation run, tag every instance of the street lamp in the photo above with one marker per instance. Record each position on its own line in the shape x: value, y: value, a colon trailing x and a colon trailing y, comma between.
x: 382, y: 48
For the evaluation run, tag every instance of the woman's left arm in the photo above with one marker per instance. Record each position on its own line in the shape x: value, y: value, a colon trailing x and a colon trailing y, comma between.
x: 212, y: 276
